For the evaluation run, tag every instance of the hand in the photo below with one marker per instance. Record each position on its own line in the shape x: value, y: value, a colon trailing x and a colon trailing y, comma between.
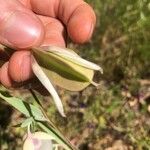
x: 28, y: 23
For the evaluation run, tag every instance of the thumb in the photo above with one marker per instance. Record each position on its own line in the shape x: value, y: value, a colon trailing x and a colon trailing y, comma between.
x: 19, y: 27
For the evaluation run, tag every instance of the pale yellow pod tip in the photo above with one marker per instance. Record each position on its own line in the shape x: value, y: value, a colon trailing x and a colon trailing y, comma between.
x: 95, y: 84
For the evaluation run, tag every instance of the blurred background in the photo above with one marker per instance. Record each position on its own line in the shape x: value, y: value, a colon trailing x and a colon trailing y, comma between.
x: 116, y: 116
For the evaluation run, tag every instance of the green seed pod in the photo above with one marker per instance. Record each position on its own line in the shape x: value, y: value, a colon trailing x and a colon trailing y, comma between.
x: 64, y: 68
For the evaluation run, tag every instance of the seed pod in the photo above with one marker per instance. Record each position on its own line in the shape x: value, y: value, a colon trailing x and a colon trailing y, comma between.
x: 64, y: 68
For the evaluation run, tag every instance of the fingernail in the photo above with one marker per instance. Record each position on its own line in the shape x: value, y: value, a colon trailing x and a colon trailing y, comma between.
x: 22, y: 30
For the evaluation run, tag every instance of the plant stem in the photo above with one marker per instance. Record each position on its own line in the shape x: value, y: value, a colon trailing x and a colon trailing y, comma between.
x: 50, y: 124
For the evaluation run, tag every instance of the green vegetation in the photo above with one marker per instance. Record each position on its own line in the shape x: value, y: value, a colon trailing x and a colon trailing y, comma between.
x: 117, y: 114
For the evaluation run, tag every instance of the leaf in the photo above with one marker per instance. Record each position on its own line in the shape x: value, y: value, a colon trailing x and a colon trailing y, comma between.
x: 63, y: 69
x: 35, y: 113
x: 48, y: 85
x: 55, y: 49
x: 28, y: 110
x: 27, y: 122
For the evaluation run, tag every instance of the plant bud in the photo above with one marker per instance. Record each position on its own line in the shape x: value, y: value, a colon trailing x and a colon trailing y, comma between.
x: 38, y: 141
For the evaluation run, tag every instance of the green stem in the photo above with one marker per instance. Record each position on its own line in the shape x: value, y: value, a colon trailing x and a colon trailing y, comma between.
x: 49, y: 125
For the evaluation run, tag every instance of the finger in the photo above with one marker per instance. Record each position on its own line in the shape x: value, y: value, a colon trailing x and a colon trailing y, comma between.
x: 54, y: 32
x: 81, y: 24
x: 20, y: 66
x: 77, y: 15
x: 19, y: 27
x: 4, y: 76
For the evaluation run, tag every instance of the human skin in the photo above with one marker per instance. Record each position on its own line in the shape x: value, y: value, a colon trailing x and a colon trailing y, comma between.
x: 29, y: 23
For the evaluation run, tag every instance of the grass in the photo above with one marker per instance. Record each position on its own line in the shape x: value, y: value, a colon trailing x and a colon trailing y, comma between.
x: 115, y: 115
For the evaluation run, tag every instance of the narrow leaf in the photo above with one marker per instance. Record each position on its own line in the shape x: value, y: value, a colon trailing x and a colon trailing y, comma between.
x: 73, y: 57
x: 27, y: 122
x: 47, y: 84
x: 28, y: 110
x: 56, y: 49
